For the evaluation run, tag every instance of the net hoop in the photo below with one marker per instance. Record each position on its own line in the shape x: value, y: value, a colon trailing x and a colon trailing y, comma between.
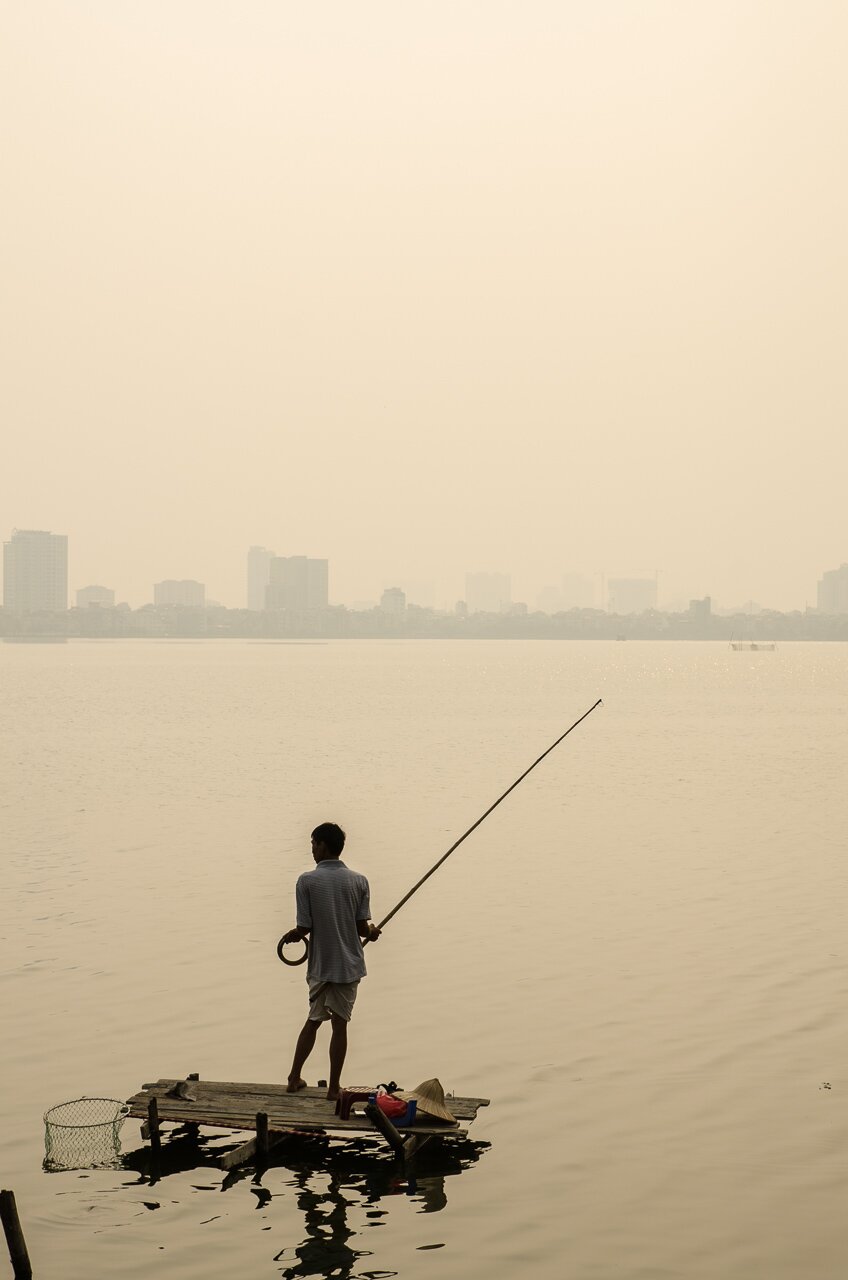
x: 83, y: 1134
x: 300, y: 959
x: 113, y: 1112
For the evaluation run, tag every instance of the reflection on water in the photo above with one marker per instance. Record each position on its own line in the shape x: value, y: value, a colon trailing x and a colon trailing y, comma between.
x: 360, y: 1179
x: 337, y: 1188
x: 659, y: 1106
x: 325, y: 1251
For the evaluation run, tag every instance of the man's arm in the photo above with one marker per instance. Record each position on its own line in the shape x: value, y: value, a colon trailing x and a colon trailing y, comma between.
x: 295, y: 935
x: 303, y: 911
x: 367, y: 930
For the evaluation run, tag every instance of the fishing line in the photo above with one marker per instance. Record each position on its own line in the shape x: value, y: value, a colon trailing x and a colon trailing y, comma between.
x: 457, y: 843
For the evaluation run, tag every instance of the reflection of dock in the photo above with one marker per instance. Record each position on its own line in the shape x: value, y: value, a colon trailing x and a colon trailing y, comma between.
x: 272, y: 1114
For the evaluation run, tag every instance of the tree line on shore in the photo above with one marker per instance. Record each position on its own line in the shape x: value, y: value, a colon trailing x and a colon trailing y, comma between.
x: 339, y: 622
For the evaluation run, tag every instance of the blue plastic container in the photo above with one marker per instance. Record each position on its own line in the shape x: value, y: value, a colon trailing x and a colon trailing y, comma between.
x: 409, y: 1118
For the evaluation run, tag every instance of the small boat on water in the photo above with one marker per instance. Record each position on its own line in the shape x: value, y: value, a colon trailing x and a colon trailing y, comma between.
x: 752, y: 646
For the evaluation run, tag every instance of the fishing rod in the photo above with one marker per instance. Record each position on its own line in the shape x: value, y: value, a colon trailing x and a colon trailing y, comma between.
x: 457, y: 843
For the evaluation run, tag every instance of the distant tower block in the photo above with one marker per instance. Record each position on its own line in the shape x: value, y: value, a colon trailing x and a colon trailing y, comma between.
x: 701, y: 610
x: 298, y: 583
x: 832, y: 591
x: 393, y: 600
x: 35, y: 571
x: 258, y: 576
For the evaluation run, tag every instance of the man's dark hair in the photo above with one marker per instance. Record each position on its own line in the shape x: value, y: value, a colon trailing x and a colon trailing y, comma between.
x: 330, y: 834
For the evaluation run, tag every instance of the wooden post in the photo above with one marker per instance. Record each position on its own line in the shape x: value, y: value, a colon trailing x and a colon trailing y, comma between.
x: 153, y: 1125
x: 14, y: 1236
x: 262, y: 1135
x: 192, y: 1129
x: 382, y: 1122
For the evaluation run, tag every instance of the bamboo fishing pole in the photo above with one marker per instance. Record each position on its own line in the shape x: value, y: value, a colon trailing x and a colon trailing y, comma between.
x: 458, y: 842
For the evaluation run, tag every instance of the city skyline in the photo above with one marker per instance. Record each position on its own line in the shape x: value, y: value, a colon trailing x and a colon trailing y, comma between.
x: 438, y: 583
x: 582, y: 309
x: 303, y: 582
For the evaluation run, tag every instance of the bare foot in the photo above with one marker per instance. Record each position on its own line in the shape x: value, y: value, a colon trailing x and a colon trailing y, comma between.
x: 294, y: 1085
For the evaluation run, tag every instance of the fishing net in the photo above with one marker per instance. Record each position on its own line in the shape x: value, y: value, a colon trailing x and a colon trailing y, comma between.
x: 83, y: 1134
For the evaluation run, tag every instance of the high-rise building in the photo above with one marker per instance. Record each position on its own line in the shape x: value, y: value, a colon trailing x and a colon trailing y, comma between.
x: 35, y: 571
x: 832, y: 591
x: 701, y: 610
x: 298, y: 583
x: 488, y: 592
x: 631, y: 595
x: 393, y: 600
x: 317, y: 584
x: 185, y: 592
x: 258, y: 576
x: 104, y: 597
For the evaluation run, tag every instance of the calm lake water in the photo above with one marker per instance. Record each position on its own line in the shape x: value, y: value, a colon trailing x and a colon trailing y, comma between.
x: 640, y: 957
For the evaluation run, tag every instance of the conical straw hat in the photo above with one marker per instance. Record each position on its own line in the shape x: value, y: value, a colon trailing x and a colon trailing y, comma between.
x: 430, y: 1097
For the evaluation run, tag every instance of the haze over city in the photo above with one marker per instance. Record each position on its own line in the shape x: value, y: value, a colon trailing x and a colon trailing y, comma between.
x: 423, y: 522
x: 425, y: 292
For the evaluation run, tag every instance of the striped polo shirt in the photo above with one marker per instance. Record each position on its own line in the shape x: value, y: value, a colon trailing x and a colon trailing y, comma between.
x: 330, y: 900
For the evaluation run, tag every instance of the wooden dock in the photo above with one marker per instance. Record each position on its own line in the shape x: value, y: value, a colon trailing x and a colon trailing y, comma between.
x: 272, y: 1115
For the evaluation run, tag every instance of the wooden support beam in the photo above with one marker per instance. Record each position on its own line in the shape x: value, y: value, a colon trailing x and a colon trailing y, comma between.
x: 249, y: 1149
x: 192, y: 1130
x: 414, y: 1142
x: 262, y: 1135
x: 381, y: 1121
x: 14, y: 1236
x: 153, y: 1126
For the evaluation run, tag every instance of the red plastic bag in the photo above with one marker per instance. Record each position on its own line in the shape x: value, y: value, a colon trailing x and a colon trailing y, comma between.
x: 394, y: 1108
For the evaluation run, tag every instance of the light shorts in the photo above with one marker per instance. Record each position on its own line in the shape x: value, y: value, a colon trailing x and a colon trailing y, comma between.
x: 331, y: 997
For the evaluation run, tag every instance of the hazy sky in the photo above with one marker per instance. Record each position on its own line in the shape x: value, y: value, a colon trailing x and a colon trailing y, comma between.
x: 428, y: 288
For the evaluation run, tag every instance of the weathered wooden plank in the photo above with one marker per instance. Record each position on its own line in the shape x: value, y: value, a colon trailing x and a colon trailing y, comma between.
x: 311, y: 1104
x: 240, y: 1155
x: 236, y: 1088
x: 169, y: 1107
x: 175, y: 1111
x: 212, y: 1120
x: 235, y: 1105
x: 244, y: 1118
x: 216, y: 1120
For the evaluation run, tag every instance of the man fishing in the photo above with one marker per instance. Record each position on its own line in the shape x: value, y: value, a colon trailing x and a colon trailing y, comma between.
x: 333, y: 910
